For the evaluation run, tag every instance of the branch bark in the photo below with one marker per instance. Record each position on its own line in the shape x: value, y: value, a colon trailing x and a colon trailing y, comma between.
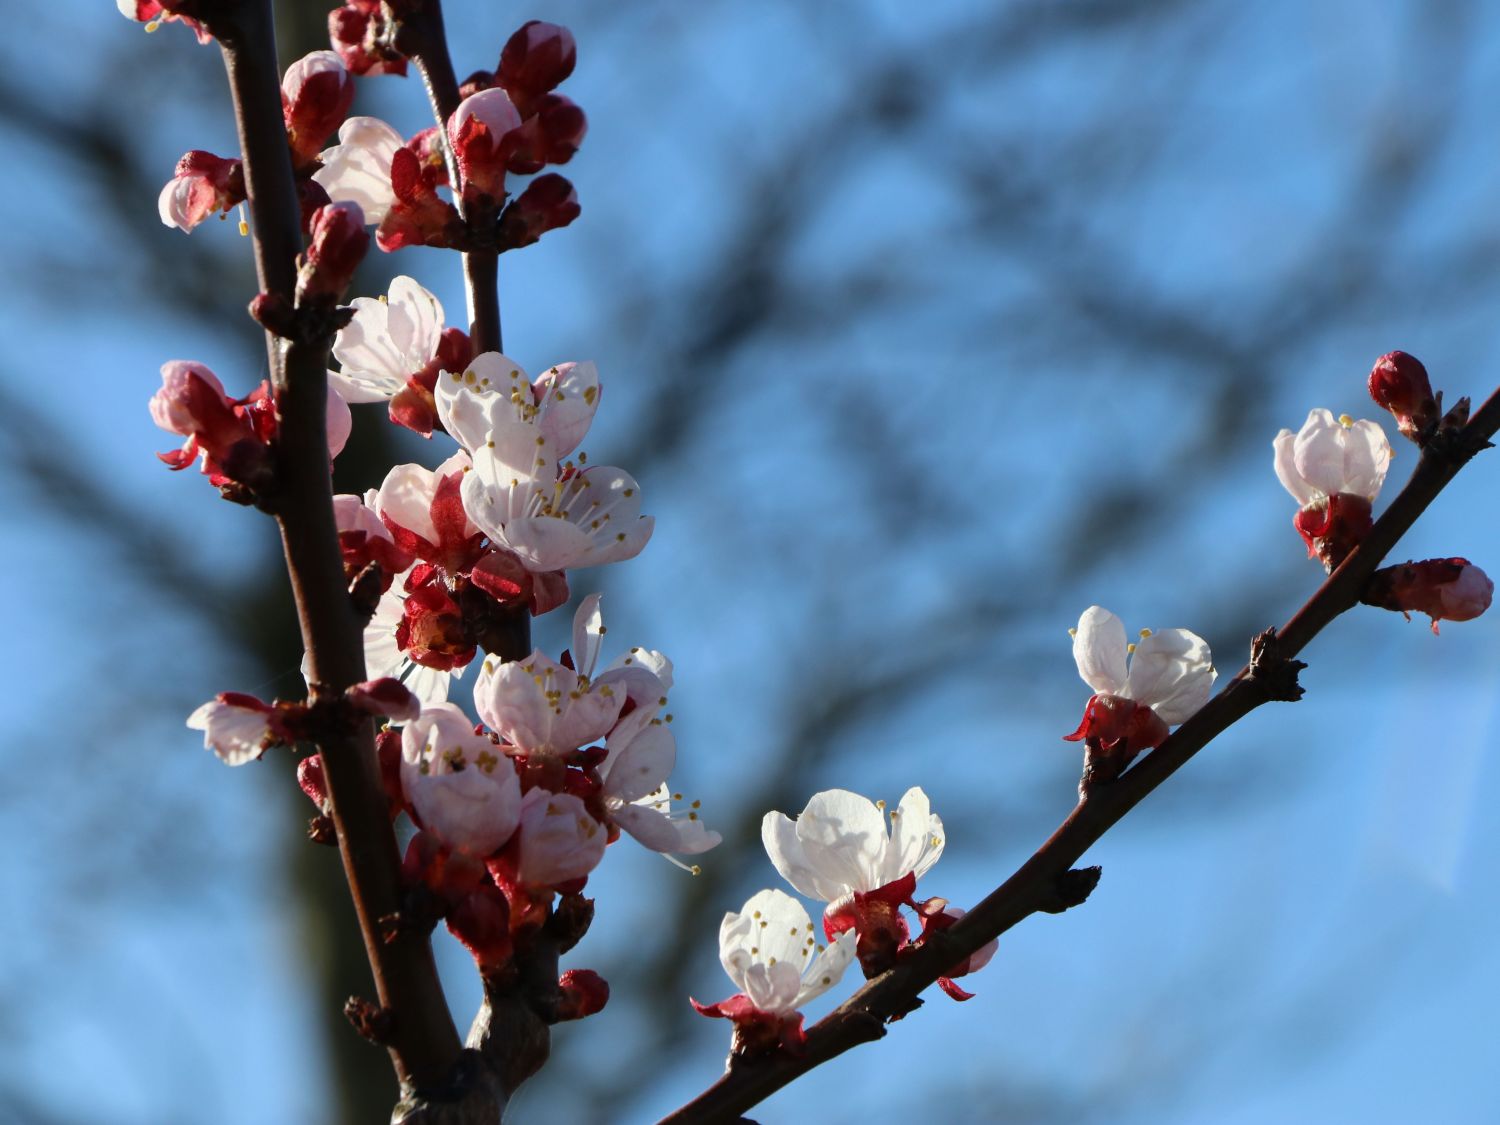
x: 1042, y: 883
x: 422, y: 1040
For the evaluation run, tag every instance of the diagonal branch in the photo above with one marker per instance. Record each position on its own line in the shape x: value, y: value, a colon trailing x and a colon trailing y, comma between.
x: 1043, y: 883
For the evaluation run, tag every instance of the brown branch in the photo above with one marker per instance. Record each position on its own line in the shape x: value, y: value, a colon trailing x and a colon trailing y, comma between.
x: 421, y: 1037
x: 422, y: 38
x: 1042, y: 883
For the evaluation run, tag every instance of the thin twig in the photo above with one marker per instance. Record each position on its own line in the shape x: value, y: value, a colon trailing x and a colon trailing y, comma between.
x: 1039, y: 884
x: 423, y: 39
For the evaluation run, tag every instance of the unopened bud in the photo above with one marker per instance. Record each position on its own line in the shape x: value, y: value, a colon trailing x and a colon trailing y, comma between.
x: 201, y: 184
x: 315, y: 98
x: 310, y: 781
x: 339, y: 243
x: 1444, y: 589
x: 475, y: 130
x: 535, y: 60
x: 549, y: 202
x: 1399, y: 383
x: 582, y: 992
x: 386, y: 696
x: 551, y: 135
x: 362, y: 35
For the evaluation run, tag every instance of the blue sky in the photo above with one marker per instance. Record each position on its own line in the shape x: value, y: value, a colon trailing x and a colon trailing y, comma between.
x: 1041, y: 288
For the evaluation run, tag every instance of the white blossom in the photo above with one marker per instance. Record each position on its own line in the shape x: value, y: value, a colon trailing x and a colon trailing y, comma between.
x: 841, y: 844
x: 560, y: 841
x: 771, y: 953
x: 1329, y: 455
x: 1171, y: 670
x: 358, y: 168
x: 462, y: 786
x: 388, y: 341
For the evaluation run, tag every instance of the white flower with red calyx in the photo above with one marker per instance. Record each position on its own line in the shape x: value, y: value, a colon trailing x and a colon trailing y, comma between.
x: 461, y: 786
x: 201, y: 184
x: 477, y: 131
x: 393, y: 351
x: 938, y: 916
x: 840, y: 850
x: 239, y: 728
x: 358, y: 168
x: 560, y: 842
x: 153, y: 14
x: 1333, y: 467
x: 1444, y: 589
x: 316, y: 94
x: 771, y: 954
x: 551, y: 517
x: 1140, y: 689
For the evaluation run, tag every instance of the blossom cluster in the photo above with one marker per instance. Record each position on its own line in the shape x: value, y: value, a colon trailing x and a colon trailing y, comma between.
x: 449, y: 563
x: 863, y: 862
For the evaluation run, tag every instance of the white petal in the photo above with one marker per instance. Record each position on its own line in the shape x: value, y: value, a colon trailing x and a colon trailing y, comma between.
x: 588, y: 635
x: 406, y: 497
x: 1318, y: 452
x: 358, y: 168
x: 559, y: 840
x: 917, y: 837
x: 1367, y: 456
x: 827, y: 968
x: 236, y: 734
x: 1172, y: 673
x: 637, y: 768
x: 1286, y: 470
x: 844, y: 838
x: 779, y: 835
x: 1099, y: 650
x: 570, y: 395
x: 654, y: 829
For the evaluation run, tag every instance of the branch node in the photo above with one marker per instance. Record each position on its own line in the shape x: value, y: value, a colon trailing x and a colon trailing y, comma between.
x: 320, y: 830
x: 1273, y: 674
x: 371, y: 1020
x: 1071, y: 889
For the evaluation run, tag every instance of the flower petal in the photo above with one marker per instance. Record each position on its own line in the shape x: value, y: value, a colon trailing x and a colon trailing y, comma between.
x: 1099, y: 650
x: 1172, y: 673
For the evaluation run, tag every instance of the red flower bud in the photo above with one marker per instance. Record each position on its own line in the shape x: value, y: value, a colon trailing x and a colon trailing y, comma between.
x: 1444, y: 589
x: 476, y: 130
x: 549, y: 136
x: 583, y: 993
x: 534, y: 60
x: 201, y: 184
x: 549, y: 202
x: 1399, y: 383
x: 315, y: 97
x: 339, y: 243
x: 362, y: 35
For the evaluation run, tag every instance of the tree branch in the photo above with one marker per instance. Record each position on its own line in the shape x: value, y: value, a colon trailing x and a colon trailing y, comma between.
x: 423, y: 39
x: 1042, y: 883
x: 422, y: 1039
